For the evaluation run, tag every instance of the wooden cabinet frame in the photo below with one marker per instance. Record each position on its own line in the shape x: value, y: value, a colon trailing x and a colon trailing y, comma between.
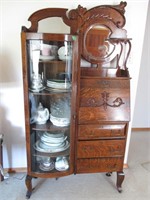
x: 100, y: 111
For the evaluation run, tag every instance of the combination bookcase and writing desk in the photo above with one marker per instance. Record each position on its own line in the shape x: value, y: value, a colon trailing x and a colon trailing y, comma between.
x: 76, y: 93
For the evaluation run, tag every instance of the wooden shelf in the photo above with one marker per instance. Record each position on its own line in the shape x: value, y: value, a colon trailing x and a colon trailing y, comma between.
x: 48, y: 127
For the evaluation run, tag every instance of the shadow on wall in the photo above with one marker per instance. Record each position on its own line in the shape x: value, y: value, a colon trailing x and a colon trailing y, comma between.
x: 11, y: 113
x: 14, y: 142
x: 7, y: 69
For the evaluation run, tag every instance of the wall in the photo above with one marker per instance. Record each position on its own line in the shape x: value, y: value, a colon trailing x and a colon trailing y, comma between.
x: 141, y: 116
x: 14, y: 14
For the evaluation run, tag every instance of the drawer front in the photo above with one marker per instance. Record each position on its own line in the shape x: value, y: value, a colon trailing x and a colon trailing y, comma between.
x: 100, y: 148
x: 102, y: 100
x: 100, y: 131
x: 99, y: 165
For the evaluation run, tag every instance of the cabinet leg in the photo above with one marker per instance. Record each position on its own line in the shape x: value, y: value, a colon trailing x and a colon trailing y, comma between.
x: 120, y: 178
x: 28, y: 183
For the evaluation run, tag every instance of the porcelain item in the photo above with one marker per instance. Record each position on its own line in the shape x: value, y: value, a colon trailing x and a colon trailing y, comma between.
x: 42, y: 114
x: 61, y: 164
x: 65, y: 52
x: 58, y: 84
x: 49, y: 50
x: 53, y: 139
x: 36, y: 82
x: 50, y: 149
x: 44, y: 58
x: 51, y: 145
x: 52, y: 142
x: 60, y: 121
x: 47, y: 164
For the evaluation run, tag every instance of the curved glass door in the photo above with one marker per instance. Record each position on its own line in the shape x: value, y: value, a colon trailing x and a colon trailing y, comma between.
x: 50, y: 112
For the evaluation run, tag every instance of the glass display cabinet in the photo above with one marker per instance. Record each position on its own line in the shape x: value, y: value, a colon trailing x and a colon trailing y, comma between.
x: 76, y: 93
x: 50, y: 65
x: 49, y: 96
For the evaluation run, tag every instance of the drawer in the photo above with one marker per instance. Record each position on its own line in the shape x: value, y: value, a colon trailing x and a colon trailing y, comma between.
x: 104, y: 100
x: 101, y: 131
x: 100, y: 148
x: 99, y: 165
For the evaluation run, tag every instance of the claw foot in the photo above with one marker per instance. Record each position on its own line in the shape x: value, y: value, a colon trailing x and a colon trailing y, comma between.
x: 28, y: 194
x: 29, y: 186
x: 120, y: 178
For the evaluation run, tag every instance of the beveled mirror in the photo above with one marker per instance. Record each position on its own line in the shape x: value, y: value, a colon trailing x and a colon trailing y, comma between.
x: 96, y: 45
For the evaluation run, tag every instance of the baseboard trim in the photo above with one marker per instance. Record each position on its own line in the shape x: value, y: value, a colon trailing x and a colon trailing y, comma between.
x: 140, y: 129
x: 16, y: 170
x: 125, y: 166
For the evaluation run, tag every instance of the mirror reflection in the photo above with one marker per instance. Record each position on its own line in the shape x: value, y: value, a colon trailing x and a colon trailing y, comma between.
x: 95, y: 42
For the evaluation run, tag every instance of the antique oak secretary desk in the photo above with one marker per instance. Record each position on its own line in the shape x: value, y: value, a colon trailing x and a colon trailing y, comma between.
x: 76, y: 93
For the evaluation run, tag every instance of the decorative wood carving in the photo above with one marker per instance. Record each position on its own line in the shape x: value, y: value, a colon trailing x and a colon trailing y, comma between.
x: 105, y: 13
x: 81, y: 21
x: 77, y: 18
x: 43, y: 14
x: 124, y: 43
x: 92, y: 102
x: 110, y: 17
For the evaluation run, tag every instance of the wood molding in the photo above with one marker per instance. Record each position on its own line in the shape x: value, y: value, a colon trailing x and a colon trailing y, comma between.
x: 141, y: 129
x: 125, y: 166
x: 16, y: 170
x: 24, y: 169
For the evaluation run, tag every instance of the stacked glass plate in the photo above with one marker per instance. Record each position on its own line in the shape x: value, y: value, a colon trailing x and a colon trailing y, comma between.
x: 58, y: 84
x: 52, y: 143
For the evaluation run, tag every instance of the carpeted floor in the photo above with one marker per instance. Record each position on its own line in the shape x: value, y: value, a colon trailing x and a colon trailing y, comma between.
x: 136, y: 185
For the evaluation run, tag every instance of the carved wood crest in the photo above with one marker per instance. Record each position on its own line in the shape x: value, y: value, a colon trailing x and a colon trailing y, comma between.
x: 100, y: 29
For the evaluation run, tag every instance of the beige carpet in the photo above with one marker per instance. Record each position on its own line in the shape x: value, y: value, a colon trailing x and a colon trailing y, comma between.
x: 136, y: 185
x: 146, y: 165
